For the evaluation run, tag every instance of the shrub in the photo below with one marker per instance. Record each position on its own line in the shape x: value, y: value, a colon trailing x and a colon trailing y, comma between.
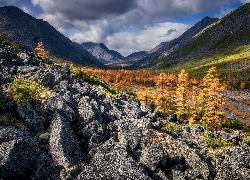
x: 214, y: 143
x: 170, y: 126
x: 26, y: 91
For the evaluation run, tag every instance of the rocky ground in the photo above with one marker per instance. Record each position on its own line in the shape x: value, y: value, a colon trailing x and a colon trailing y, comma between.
x: 78, y: 133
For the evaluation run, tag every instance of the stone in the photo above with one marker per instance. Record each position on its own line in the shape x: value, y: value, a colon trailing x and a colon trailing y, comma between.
x: 64, y: 147
x: 58, y: 105
x: 111, y: 162
x: 18, y: 154
x: 129, y: 135
x: 44, y: 168
x: 152, y: 156
x: 27, y: 112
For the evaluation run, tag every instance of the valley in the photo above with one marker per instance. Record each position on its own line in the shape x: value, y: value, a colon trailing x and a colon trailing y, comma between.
x: 82, y: 111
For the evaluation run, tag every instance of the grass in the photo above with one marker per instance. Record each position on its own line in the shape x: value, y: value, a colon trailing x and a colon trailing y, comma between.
x: 26, y: 91
x: 94, y: 80
x: 215, y: 143
x: 236, y: 125
x: 225, y: 61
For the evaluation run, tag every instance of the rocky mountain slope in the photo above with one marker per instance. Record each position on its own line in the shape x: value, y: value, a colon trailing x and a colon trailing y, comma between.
x: 230, y: 31
x: 102, y: 53
x: 167, y: 47
x: 106, y: 56
x: 79, y: 133
x: 28, y: 31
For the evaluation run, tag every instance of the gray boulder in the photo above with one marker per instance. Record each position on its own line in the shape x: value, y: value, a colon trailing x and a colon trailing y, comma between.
x: 27, y: 112
x: 111, y: 161
x: 18, y: 154
x: 64, y: 147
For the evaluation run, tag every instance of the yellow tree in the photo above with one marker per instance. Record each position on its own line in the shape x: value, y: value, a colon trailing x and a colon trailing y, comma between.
x: 182, y: 93
x: 41, y: 51
x: 211, y: 98
x: 159, y: 96
x: 144, y: 95
x: 193, y: 94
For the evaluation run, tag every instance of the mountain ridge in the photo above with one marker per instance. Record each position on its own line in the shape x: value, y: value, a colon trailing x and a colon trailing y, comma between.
x: 107, y: 56
x: 230, y: 31
x: 27, y: 31
x: 166, y: 47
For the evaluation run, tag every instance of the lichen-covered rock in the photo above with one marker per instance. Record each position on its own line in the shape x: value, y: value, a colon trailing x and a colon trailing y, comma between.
x: 83, y: 134
x: 111, y: 161
x: 27, y: 112
x: 64, y: 147
x: 233, y: 164
x: 88, y: 110
x: 18, y: 154
x: 152, y: 156
x: 44, y: 168
x: 58, y: 105
x: 129, y: 134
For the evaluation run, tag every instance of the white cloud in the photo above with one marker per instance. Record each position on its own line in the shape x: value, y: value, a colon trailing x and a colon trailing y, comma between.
x: 3, y: 2
x: 223, y: 12
x: 129, y: 42
x: 91, y: 32
x: 27, y: 10
x: 245, y: 1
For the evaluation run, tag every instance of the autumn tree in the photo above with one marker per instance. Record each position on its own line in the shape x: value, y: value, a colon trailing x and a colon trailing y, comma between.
x: 159, y: 96
x: 145, y: 95
x: 210, y: 97
x: 182, y: 93
x: 41, y: 51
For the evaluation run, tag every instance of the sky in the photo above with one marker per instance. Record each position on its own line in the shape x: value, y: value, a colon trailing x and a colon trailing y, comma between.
x: 126, y: 26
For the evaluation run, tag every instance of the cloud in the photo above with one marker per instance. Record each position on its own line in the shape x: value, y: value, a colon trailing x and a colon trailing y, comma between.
x: 158, y: 9
x: 27, y: 10
x: 85, y: 9
x: 244, y: 1
x: 146, y: 39
x: 223, y: 12
x: 92, y: 32
x: 3, y: 2
x: 122, y: 25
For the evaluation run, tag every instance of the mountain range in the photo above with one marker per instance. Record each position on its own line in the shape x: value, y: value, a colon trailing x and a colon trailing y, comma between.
x: 208, y: 35
x: 106, y: 56
x: 27, y: 31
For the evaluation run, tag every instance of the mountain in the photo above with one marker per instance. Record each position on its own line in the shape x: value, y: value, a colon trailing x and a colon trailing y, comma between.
x: 78, y: 133
x: 102, y: 53
x: 28, y: 31
x: 136, y: 56
x: 165, y: 48
x: 205, y: 38
x: 106, y: 56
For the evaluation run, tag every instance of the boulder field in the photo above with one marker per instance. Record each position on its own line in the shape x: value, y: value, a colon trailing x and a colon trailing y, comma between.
x: 79, y: 133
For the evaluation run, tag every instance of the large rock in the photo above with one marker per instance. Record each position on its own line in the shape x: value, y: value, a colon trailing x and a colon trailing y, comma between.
x: 64, y: 146
x: 27, y: 112
x: 111, y: 161
x: 18, y: 154
x: 129, y: 134
x: 57, y: 104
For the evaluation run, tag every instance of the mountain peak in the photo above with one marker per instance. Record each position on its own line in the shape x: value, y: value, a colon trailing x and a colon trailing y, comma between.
x: 27, y: 31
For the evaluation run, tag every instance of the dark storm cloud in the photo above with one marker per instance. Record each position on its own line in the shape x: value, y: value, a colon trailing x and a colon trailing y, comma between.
x: 3, y: 2
x: 85, y: 9
x: 159, y: 9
